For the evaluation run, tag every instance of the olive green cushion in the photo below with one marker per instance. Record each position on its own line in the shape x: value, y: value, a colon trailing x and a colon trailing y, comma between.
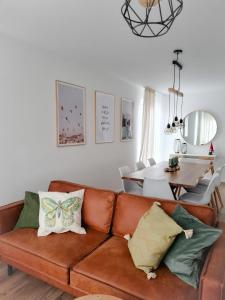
x: 186, y: 257
x: 153, y: 236
x: 29, y: 216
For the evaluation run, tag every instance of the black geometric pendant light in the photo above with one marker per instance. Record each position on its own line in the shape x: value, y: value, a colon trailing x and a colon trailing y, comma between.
x: 151, y: 18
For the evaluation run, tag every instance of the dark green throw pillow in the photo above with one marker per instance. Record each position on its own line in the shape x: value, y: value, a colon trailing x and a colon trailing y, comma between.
x: 29, y: 216
x: 186, y: 257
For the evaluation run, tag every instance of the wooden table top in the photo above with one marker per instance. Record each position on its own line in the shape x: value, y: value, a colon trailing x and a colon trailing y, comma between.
x: 188, y: 175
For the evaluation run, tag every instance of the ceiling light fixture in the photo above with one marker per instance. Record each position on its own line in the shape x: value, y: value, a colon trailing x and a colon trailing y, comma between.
x: 178, y: 98
x: 151, y: 18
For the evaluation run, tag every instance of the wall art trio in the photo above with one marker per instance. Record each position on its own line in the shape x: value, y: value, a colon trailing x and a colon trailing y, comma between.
x: 70, y: 109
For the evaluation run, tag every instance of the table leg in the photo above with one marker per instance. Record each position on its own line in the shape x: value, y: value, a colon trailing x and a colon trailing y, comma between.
x: 178, y: 191
x: 215, y: 202
x: 219, y: 196
x: 174, y: 191
x: 212, y: 169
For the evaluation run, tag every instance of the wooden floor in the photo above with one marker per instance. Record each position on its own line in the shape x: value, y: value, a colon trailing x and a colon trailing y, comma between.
x: 21, y: 286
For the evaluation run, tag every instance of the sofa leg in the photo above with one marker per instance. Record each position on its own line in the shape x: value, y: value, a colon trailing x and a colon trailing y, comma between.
x: 10, y: 270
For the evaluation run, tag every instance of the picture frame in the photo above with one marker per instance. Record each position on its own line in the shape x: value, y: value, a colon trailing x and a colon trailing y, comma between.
x: 104, y: 117
x: 127, y: 120
x: 70, y: 114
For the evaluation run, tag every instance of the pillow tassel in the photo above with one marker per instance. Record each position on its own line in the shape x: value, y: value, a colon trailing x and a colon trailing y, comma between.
x: 127, y: 237
x: 151, y: 275
x: 188, y: 233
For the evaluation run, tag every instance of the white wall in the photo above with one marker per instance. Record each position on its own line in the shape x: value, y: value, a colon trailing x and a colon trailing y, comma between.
x: 214, y: 103
x: 29, y: 158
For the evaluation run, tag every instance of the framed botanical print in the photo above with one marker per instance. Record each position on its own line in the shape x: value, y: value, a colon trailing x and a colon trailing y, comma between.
x: 104, y: 117
x: 70, y: 107
x: 127, y: 119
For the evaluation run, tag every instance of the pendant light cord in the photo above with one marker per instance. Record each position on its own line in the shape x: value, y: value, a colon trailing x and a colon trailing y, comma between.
x: 178, y: 89
x: 169, y: 108
x: 174, y: 82
x: 174, y: 75
x: 182, y: 99
x: 174, y: 106
x: 181, y: 107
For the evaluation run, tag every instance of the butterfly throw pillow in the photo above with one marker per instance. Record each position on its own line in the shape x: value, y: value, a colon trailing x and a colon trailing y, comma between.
x: 60, y: 212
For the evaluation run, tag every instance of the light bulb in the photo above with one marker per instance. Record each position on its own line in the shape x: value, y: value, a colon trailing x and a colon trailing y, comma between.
x: 149, y: 3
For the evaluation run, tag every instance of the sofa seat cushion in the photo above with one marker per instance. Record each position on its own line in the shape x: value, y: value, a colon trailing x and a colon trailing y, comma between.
x: 52, y: 255
x: 109, y: 269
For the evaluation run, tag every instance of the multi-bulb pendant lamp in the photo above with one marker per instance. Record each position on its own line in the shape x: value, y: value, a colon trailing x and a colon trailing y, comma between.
x: 178, y: 98
x: 151, y: 18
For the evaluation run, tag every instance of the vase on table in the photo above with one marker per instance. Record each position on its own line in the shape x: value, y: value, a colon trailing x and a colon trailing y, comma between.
x: 177, y: 146
x: 184, y: 148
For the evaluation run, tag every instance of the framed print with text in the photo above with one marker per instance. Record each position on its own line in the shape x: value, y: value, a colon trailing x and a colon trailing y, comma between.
x: 104, y: 117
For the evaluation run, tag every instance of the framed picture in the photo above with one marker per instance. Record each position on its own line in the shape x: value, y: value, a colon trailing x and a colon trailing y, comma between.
x: 104, y: 117
x: 127, y: 119
x: 70, y: 106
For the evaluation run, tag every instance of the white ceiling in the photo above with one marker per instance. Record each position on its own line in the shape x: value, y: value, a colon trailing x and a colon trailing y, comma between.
x: 94, y: 33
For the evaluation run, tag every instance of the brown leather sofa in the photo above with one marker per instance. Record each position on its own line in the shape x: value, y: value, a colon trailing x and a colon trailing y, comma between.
x: 99, y: 262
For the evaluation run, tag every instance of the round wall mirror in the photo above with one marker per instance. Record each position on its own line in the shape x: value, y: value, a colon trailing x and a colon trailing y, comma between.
x: 200, y: 128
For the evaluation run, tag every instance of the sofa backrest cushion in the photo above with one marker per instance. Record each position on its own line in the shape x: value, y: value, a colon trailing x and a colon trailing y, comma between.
x: 130, y: 208
x: 98, y: 205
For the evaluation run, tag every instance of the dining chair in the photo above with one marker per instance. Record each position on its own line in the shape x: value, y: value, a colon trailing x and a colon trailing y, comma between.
x: 129, y: 186
x: 140, y: 165
x: 219, y: 171
x: 158, y: 188
x: 204, y: 183
x: 151, y: 161
x: 206, y: 197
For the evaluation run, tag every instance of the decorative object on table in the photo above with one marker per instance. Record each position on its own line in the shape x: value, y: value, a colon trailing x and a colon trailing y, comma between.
x: 184, y: 148
x: 177, y: 146
x: 177, y: 121
x: 70, y: 107
x: 60, y: 212
x: 104, y: 117
x: 200, y: 128
x: 127, y: 119
x: 211, y: 149
x: 151, y: 18
x: 186, y: 257
x: 173, y: 164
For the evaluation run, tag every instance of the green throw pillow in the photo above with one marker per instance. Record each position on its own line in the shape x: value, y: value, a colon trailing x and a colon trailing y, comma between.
x: 29, y: 216
x: 186, y: 257
x: 155, y: 233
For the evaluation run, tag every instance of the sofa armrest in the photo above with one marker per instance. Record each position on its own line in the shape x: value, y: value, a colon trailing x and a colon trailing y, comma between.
x: 212, y: 282
x: 9, y: 215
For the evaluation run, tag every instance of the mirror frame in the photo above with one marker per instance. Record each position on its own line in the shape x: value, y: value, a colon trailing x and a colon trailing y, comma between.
x: 181, y: 130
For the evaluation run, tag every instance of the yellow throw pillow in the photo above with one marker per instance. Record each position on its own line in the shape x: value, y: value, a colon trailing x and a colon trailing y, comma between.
x: 155, y: 233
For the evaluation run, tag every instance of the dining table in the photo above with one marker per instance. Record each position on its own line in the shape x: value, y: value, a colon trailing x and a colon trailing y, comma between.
x: 188, y: 175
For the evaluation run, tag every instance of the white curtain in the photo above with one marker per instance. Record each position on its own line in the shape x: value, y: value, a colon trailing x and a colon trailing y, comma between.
x: 147, y: 140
